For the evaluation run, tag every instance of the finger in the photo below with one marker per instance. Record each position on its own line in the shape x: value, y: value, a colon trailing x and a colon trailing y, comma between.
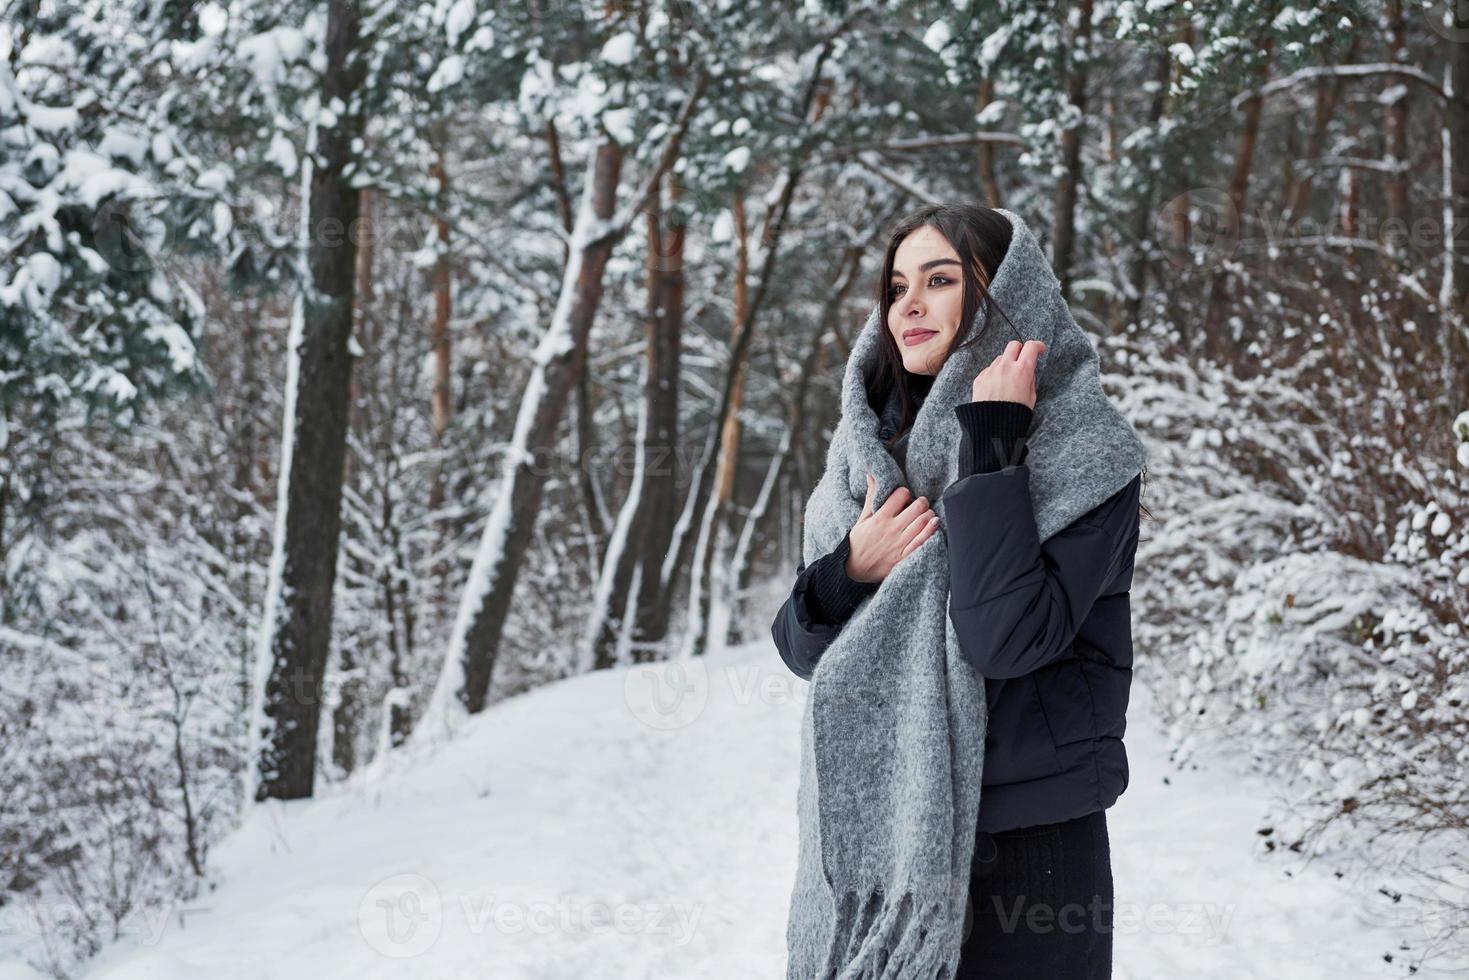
x: 913, y: 512
x: 1031, y: 353
x: 922, y: 536
x: 871, y: 492
x: 896, y: 501
x: 915, y: 536
x: 1012, y: 350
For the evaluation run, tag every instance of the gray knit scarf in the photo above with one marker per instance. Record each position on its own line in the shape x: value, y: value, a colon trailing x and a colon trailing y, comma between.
x: 892, y: 732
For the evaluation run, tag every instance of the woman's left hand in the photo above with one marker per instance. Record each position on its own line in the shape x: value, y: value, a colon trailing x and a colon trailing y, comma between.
x: 1011, y: 376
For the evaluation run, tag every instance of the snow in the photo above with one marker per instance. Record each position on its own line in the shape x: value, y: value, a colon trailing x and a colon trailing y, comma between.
x: 37, y: 278
x: 619, y: 123
x: 737, y: 159
x: 992, y: 114
x: 127, y: 144
x: 223, y: 221
x: 460, y: 16
x: 52, y: 119
x: 214, y: 180
x: 43, y: 271
x: 45, y: 49
x: 19, y: 971
x: 937, y: 36
x: 990, y: 50
x: 282, y: 153
x: 113, y: 384
x: 270, y: 52
x: 620, y: 49
x: 93, y: 177
x: 161, y: 147
x: 182, y: 354
x: 641, y: 822
x: 449, y: 72
x: 483, y: 40
x: 213, y: 19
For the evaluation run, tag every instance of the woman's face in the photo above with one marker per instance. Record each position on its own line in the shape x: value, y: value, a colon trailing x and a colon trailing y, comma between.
x: 927, y: 291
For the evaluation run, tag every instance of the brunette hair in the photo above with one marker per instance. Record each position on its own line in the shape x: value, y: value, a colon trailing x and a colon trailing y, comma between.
x: 981, y: 237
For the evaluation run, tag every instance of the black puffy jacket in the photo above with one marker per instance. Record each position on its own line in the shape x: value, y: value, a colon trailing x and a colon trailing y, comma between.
x: 1048, y: 626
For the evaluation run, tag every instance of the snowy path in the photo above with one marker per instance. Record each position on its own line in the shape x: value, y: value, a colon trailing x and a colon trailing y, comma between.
x: 600, y: 828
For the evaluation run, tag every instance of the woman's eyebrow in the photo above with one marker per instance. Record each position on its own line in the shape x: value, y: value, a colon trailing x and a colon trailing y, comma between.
x: 933, y: 264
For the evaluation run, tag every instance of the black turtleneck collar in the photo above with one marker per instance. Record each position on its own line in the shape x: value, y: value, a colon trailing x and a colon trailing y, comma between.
x: 890, y: 415
x: 919, y: 385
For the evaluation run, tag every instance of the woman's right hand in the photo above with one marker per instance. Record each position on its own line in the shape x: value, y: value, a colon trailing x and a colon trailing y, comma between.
x: 882, y: 538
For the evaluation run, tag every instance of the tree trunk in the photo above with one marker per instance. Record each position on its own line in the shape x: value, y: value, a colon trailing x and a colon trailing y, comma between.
x: 650, y: 508
x: 1457, y: 127
x: 1215, y: 344
x: 443, y: 308
x: 827, y: 326
x: 464, y: 682
x: 297, y: 626
x: 1067, y: 191
x: 348, y: 711
x: 485, y: 604
x: 1328, y: 95
x: 439, y: 339
x: 988, y: 179
x: 772, y: 232
x: 1395, y: 124
x: 660, y: 491
x: 361, y: 304
x: 618, y: 561
x: 773, y: 228
x: 1142, y: 233
x: 706, y: 582
x: 1396, y: 234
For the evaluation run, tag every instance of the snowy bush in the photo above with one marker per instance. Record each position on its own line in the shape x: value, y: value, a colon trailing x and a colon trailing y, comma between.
x: 1301, y: 598
x: 119, y: 715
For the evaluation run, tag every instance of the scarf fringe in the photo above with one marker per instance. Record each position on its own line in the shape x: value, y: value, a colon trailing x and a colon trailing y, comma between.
x: 892, y: 939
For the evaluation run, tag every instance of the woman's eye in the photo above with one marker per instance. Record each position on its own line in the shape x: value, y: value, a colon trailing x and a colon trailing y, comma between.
x: 935, y: 280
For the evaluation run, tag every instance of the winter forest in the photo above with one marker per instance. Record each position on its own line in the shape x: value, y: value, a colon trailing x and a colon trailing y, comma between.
x: 407, y: 412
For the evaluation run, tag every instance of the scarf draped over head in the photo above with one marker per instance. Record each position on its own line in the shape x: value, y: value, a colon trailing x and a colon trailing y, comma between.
x: 892, y: 731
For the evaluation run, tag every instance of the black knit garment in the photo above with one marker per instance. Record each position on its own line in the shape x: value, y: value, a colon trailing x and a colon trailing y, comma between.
x: 993, y: 435
x: 832, y: 596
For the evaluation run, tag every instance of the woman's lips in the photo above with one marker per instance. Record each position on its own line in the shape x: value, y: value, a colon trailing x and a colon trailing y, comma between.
x: 912, y: 337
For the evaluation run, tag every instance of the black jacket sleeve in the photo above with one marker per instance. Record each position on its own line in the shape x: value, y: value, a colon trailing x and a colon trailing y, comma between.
x: 1016, y: 604
x: 820, y: 603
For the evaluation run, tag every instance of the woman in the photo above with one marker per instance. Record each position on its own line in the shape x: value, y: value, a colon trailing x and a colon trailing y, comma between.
x: 1044, y: 623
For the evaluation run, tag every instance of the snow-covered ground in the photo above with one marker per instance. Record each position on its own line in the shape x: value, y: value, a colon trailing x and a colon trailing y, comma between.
x: 640, y: 823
